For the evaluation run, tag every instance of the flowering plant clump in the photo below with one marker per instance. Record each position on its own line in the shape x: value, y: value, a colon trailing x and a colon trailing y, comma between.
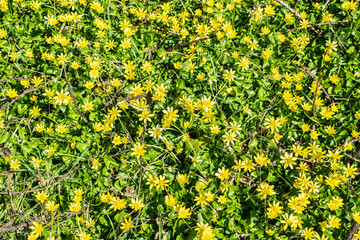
x: 183, y: 119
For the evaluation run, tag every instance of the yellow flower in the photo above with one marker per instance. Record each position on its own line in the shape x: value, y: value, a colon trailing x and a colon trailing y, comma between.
x: 35, y: 162
x: 61, y: 128
x: 265, y: 30
x: 266, y: 54
x: 15, y: 164
x: 75, y: 207
x: 229, y: 75
x: 147, y: 67
x: 95, y: 164
x: 51, y: 206
x: 184, y: 212
x: 14, y: 56
x: 223, y: 174
x: 182, y: 178
x: 350, y: 170
x: 161, y: 183
x: 3, y: 33
x: 170, y: 201
x: 265, y: 189
x: 330, y: 130
x: 138, y: 150
x: 357, y: 115
x: 136, y: 204
x: 334, y: 222
x: 262, y: 159
x: 29, y: 53
x: 314, y: 134
x: 32, y: 236
x: 84, y: 236
x: 356, y: 216
x: 288, y: 160
x: 222, y: 199
x: 117, y: 203
x: 37, y: 228
x: 127, y: 225
x: 12, y: 93
x: 335, y: 203
x: 274, y: 210
x: 35, y: 111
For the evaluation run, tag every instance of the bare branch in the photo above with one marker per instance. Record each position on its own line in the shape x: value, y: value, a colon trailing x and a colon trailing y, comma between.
x: 297, y: 15
x: 354, y: 228
x: 38, y: 220
x: 320, y: 24
x: 38, y: 189
x: 73, y: 97
x: 32, y: 89
x: 308, y: 72
x: 185, y: 44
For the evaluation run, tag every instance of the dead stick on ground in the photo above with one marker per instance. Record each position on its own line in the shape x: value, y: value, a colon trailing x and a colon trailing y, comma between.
x: 148, y: 98
x: 320, y: 24
x: 297, y: 15
x: 262, y: 119
x: 308, y: 72
x: 25, y: 92
x: 73, y: 97
x: 185, y: 44
x: 315, y: 95
x: 354, y: 228
x: 133, y: 98
x: 248, y: 20
x: 35, y: 190
x: 38, y: 220
x: 327, y: 2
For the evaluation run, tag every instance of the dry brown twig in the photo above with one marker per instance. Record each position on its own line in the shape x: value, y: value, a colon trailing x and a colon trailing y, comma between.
x: 148, y: 98
x: 308, y: 72
x: 297, y: 15
x: 352, y: 231
x: 38, y: 220
x: 73, y: 97
x: 185, y: 44
x: 32, y: 89
x: 35, y: 190
x: 320, y: 24
x: 248, y: 20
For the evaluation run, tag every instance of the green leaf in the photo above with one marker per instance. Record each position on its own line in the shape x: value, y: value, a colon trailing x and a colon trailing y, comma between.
x: 82, y: 146
x: 110, y: 161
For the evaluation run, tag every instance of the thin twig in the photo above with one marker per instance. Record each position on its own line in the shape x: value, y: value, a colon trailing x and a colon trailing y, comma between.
x: 320, y: 24
x: 38, y: 220
x: 296, y: 234
x: 14, y: 78
x: 248, y: 20
x: 327, y: 2
x: 262, y: 119
x: 315, y: 95
x: 35, y: 190
x: 352, y: 158
x: 32, y: 89
x: 297, y: 15
x: 136, y: 107
x: 308, y: 72
x: 295, y: 4
x: 185, y: 44
x: 133, y: 98
x: 352, y: 189
x: 73, y: 97
x: 354, y: 228
x: 148, y: 98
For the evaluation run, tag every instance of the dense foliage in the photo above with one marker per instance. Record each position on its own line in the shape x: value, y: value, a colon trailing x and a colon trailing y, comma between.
x: 183, y: 119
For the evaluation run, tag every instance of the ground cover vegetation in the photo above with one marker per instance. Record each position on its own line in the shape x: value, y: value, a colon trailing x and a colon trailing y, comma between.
x: 183, y: 119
